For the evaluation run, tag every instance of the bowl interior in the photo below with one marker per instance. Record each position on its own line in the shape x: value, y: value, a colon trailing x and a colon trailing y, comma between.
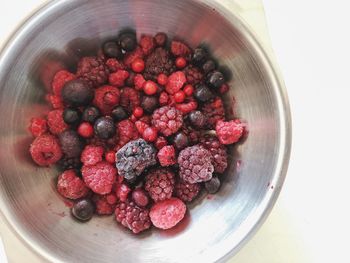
x: 66, y: 30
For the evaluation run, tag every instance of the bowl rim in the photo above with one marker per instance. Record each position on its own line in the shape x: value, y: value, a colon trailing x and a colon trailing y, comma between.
x: 254, y: 220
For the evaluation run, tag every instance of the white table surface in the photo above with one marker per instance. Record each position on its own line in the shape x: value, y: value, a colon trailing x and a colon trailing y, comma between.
x: 309, y: 222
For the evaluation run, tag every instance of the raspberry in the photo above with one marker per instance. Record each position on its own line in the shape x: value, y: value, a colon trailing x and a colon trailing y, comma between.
x: 118, y: 78
x: 114, y: 65
x: 139, y: 81
x: 126, y: 131
x: 175, y: 82
x: 217, y: 150
x: 129, y: 99
x: 45, y: 150
x: 105, y: 204
x: 141, y: 126
x: 60, y: 78
x: 229, y: 132
x: 130, y: 57
x: 187, y: 107
x: 133, y: 217
x: 55, y: 101
x: 150, y: 134
x: 214, y: 111
x: 69, y: 185
x: 147, y: 44
x: 159, y: 183
x: 163, y: 98
x: 195, y: 164
x: 91, y: 155
x: 167, y: 155
x: 179, y: 49
x: 157, y: 62
x: 185, y: 191
x: 93, y: 70
x: 38, y: 126
x: 106, y: 98
x: 55, y: 121
x: 122, y: 191
x: 67, y: 163
x: 99, y: 177
x: 134, y: 157
x: 193, y: 75
x: 167, y: 120
x: 168, y: 213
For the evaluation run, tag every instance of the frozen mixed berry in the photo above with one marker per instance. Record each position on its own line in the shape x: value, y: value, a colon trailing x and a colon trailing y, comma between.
x: 104, y: 127
x: 139, y: 81
x: 71, y: 116
x: 199, y: 56
x: 147, y: 44
x: 167, y: 155
x: 69, y: 185
x: 93, y: 71
x: 138, y: 112
x: 193, y: 75
x: 215, y: 79
x: 83, y: 209
x: 77, y: 93
x: 149, y: 103
x: 159, y: 184
x: 106, y: 98
x: 55, y: 121
x: 104, y: 204
x: 132, y: 216
x: 45, y: 150
x: 118, y: 78
x: 118, y: 113
x: 168, y: 213
x: 179, y: 96
x: 163, y: 98
x: 92, y: 155
x: 168, y: 120
x: 203, y: 93
x: 130, y: 57
x: 150, y: 87
x: 180, y: 62
x: 127, y: 132
x: 186, y: 191
x: 129, y: 99
x: 99, y: 177
x: 160, y: 39
x: 217, y: 150
x: 195, y: 164
x: 90, y: 114
x: 213, y: 185
x: 150, y: 134
x: 187, y: 107
x: 38, y: 126
x: 110, y: 156
x: 86, y: 130
x: 181, y: 140
x: 55, y: 101
x: 71, y: 144
x: 140, y: 197
x: 60, y: 78
x: 112, y: 50
x: 179, y: 49
x: 158, y: 62
x: 141, y: 126
x: 138, y: 65
x: 229, y: 132
x: 134, y: 157
x: 128, y: 41
x: 188, y: 89
x: 214, y: 111
x: 122, y: 191
x: 175, y: 82
x: 208, y: 66
x: 197, y: 119
x: 67, y: 163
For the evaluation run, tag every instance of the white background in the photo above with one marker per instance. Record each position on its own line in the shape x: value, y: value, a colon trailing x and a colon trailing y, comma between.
x: 310, y: 222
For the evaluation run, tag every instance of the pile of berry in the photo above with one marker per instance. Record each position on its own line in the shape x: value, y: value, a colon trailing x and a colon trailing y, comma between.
x: 138, y: 130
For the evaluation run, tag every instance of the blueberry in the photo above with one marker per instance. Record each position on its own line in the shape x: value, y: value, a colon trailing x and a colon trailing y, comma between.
x: 149, y: 103
x: 208, y: 66
x: 128, y: 41
x: 104, y: 127
x: 77, y: 93
x: 215, y: 79
x: 199, y: 56
x: 197, y: 119
x: 203, y: 93
x: 118, y: 113
x: 213, y: 185
x: 71, y: 144
x: 83, y: 209
x: 112, y: 50
x: 181, y: 141
x: 71, y: 116
x: 90, y: 114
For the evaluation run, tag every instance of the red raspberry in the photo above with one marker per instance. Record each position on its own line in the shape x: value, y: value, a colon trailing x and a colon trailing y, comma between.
x: 91, y: 155
x: 229, y: 132
x: 45, y: 150
x: 139, y: 81
x: 55, y: 101
x: 55, y: 121
x: 167, y: 155
x: 86, y: 130
x: 168, y: 213
x: 69, y: 185
x: 147, y: 44
x: 224, y: 88
x: 187, y: 107
x: 163, y: 98
x: 188, y: 89
x: 160, y: 142
x: 180, y: 62
x: 106, y: 98
x: 60, y: 78
x: 214, y: 111
x: 150, y: 87
x: 114, y: 65
x: 131, y: 56
x: 160, y: 39
x: 133, y: 217
x: 138, y: 112
x: 175, y: 82
x: 118, y: 78
x: 122, y: 191
x: 129, y: 99
x: 99, y: 177
x: 193, y: 75
x: 141, y: 126
x: 146, y: 119
x: 179, y: 96
x: 93, y: 70
x: 185, y: 191
x: 140, y: 197
x: 150, y: 134
x: 159, y: 183
x: 179, y: 49
x: 38, y: 126
x: 167, y: 120
x: 105, y: 204
x: 110, y: 156
x: 217, y: 150
x: 195, y: 164
x: 127, y: 132
x: 162, y: 79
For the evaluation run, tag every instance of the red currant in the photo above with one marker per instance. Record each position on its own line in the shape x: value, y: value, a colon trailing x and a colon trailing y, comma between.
x: 162, y: 79
x: 179, y: 96
x: 150, y: 134
x: 110, y: 156
x: 150, y: 87
x: 188, y: 89
x: 138, y: 65
x: 180, y: 62
x: 85, y: 130
x: 138, y: 112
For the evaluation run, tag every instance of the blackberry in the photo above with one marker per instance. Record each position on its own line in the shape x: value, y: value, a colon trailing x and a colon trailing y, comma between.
x: 93, y: 71
x: 193, y: 75
x: 160, y: 184
x: 217, y: 150
x: 70, y: 163
x: 186, y: 191
x: 157, y: 62
x: 214, y: 111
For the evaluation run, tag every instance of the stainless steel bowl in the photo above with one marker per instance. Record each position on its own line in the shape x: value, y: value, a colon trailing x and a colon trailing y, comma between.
x: 60, y: 32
